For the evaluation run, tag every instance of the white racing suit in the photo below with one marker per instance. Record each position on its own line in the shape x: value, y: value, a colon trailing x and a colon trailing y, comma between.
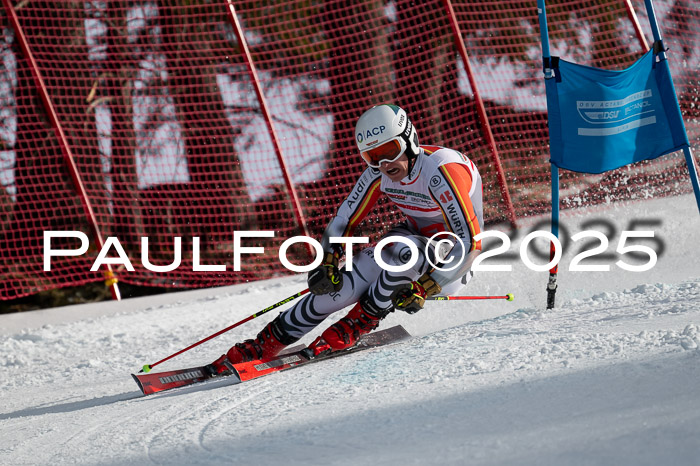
x: 443, y: 193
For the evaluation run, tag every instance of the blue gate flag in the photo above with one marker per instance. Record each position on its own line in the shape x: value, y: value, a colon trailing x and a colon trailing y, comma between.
x: 600, y: 120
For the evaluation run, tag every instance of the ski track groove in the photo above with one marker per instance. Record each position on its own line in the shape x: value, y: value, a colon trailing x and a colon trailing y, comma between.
x: 148, y: 443
x: 84, y: 433
x: 267, y: 385
x: 207, y: 425
x: 272, y: 382
x: 263, y: 386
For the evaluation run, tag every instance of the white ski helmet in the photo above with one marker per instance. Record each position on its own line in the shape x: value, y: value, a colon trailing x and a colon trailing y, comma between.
x: 383, y: 133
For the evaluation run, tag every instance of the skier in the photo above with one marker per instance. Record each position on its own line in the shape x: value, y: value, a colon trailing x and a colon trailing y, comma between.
x: 437, y: 189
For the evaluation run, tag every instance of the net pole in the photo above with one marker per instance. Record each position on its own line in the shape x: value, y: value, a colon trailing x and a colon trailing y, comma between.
x: 110, y: 278
x: 481, y: 111
x: 298, y: 213
x: 635, y: 24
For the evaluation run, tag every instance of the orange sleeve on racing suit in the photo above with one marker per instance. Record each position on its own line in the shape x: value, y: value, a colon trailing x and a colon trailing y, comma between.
x: 459, y: 181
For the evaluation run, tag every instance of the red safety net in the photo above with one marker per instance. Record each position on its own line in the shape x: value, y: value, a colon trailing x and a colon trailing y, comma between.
x: 137, y: 119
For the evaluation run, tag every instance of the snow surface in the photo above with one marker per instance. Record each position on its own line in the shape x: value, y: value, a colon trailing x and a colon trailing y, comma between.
x: 610, y: 376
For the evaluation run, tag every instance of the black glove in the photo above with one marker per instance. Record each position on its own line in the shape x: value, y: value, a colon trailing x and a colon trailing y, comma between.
x: 326, y: 277
x: 410, y: 297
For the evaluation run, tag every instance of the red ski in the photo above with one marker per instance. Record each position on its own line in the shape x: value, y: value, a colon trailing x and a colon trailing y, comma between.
x: 156, y: 382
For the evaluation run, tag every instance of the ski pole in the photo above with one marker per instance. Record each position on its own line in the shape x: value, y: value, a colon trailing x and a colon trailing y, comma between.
x: 508, y: 297
x: 148, y: 367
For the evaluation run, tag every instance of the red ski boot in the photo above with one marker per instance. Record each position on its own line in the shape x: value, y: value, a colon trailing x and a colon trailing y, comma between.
x: 362, y: 319
x: 268, y: 344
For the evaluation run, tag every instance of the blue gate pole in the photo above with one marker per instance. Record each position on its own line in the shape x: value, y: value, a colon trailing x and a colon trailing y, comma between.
x: 549, y: 74
x: 693, y: 171
x: 689, y: 160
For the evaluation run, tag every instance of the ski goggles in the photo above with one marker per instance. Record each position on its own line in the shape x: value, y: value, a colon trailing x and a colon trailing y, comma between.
x: 388, y: 152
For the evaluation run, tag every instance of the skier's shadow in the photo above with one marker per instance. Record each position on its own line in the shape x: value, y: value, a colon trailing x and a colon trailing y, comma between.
x: 107, y: 400
x: 72, y: 406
